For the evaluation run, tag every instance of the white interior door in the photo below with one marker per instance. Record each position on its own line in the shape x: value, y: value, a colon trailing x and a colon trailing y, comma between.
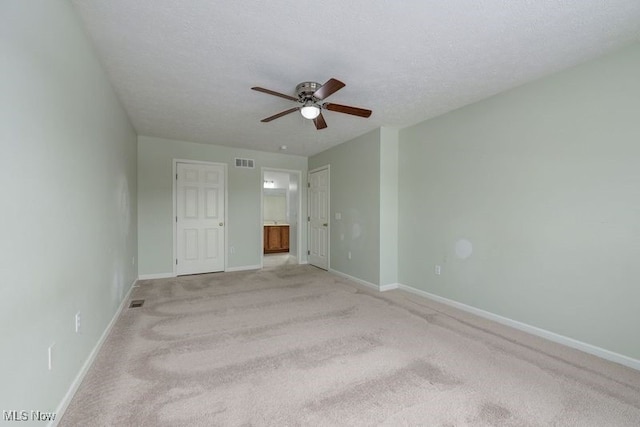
x: 319, y: 218
x: 199, y: 218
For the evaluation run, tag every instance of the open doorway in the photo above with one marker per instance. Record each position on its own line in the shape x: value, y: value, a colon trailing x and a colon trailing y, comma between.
x: 281, y: 207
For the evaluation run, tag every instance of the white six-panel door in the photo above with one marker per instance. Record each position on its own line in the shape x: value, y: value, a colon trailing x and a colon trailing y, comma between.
x: 319, y: 218
x: 200, y: 199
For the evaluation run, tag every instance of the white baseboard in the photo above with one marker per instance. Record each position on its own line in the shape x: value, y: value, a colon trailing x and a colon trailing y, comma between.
x: 62, y: 407
x: 533, y: 330
x: 389, y: 287
x: 170, y: 275
x: 244, y: 268
x: 303, y: 262
x: 355, y: 279
x: 156, y: 276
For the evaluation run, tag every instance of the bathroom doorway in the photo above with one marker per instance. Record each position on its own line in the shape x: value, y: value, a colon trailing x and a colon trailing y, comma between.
x: 281, y: 207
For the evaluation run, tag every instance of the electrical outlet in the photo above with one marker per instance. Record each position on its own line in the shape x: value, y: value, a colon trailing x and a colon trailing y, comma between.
x: 349, y: 255
x: 78, y: 318
x: 232, y: 249
x: 438, y: 270
x: 133, y: 260
x: 50, y: 356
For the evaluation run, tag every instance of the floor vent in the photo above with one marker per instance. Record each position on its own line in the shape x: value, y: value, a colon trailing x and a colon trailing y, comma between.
x: 136, y: 303
x: 244, y: 163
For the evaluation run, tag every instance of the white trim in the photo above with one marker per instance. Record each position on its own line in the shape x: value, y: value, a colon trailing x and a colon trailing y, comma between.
x: 355, y: 279
x: 175, y: 213
x: 328, y: 168
x: 389, y: 287
x: 298, y: 256
x: 244, y: 268
x: 533, y: 330
x: 319, y: 168
x: 62, y: 407
x: 156, y: 276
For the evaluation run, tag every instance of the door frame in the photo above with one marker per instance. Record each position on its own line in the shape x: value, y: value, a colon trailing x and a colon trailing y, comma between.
x: 298, y: 173
x: 174, y: 179
x: 328, y: 168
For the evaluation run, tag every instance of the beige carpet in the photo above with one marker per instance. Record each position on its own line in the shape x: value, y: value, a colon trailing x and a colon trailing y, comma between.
x: 295, y: 345
x: 277, y: 260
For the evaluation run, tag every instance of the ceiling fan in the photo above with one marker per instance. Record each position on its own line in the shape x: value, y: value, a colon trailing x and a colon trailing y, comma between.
x: 310, y: 97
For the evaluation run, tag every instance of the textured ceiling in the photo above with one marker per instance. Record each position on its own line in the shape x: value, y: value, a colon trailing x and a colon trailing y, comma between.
x: 184, y: 68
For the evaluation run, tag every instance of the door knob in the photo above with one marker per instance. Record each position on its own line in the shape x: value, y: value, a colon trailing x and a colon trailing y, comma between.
x: 221, y: 224
x: 325, y: 224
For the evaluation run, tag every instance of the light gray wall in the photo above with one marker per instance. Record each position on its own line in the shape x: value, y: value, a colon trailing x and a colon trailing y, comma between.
x: 355, y: 194
x: 389, y: 146
x: 544, y: 180
x: 68, y: 201
x: 155, y: 210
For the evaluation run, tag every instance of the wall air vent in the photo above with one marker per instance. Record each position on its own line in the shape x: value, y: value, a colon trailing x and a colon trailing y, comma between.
x: 244, y: 163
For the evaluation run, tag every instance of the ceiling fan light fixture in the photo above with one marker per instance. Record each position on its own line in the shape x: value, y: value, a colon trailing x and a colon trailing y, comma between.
x: 310, y: 111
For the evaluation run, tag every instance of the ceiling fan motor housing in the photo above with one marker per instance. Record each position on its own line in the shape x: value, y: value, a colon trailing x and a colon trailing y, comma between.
x: 305, y: 90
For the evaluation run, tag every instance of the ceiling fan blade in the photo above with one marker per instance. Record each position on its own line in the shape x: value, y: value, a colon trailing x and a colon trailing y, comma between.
x: 277, y: 116
x: 270, y: 92
x: 354, y: 111
x: 330, y: 87
x: 319, y: 122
